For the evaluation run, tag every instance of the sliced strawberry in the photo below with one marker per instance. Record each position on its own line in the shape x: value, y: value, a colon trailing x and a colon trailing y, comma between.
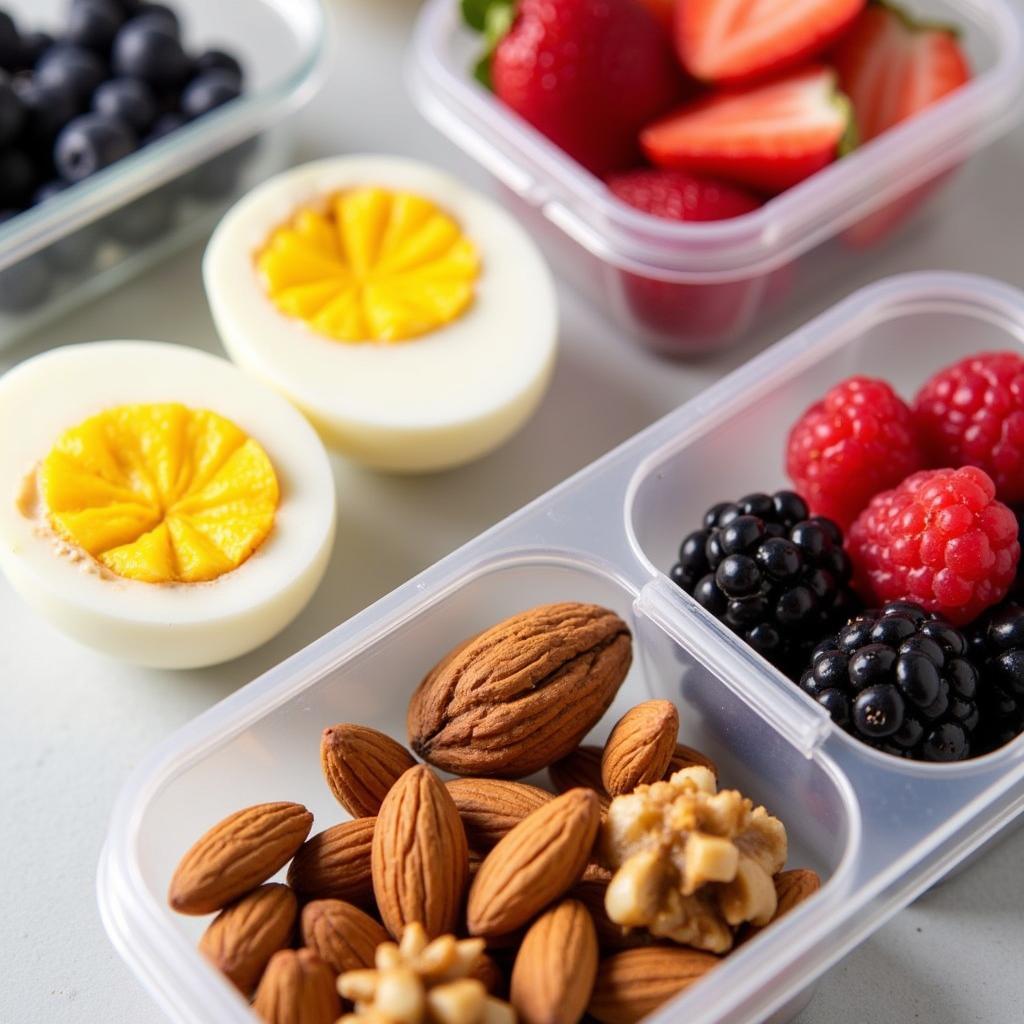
x: 732, y: 41
x: 679, y: 195
x: 892, y: 67
x: 769, y: 137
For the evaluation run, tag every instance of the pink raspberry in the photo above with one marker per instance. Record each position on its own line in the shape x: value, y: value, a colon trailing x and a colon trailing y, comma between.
x: 858, y: 440
x: 940, y: 539
x: 972, y: 414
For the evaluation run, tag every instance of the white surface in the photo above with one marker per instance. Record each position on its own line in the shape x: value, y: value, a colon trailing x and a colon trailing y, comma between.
x: 73, y: 724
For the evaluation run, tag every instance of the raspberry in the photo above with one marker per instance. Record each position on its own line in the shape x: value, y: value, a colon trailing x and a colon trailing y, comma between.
x: 972, y: 414
x: 941, y: 539
x: 858, y: 440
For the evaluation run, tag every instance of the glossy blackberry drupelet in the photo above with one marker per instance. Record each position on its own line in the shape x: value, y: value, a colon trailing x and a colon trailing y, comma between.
x: 900, y: 680
x: 997, y: 649
x: 776, y: 577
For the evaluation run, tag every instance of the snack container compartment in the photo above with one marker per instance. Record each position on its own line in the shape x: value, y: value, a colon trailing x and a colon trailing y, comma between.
x: 691, y: 289
x: 878, y: 830
x: 92, y: 237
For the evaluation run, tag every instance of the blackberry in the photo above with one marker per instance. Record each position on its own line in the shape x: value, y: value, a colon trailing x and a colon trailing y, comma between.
x: 901, y: 680
x: 997, y: 649
x: 774, y: 576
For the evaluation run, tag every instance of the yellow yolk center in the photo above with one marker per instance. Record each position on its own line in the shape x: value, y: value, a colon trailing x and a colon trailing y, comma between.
x: 376, y: 265
x: 160, y: 493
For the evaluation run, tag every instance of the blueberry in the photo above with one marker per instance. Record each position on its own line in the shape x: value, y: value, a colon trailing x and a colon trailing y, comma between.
x: 30, y: 48
x: 947, y: 742
x: 708, y: 596
x: 836, y: 704
x: 208, y: 91
x: 158, y: 16
x: 789, y: 507
x: 10, y: 43
x: 218, y: 60
x: 126, y: 99
x: 12, y: 113
x: 72, y: 67
x: 738, y: 576
x: 89, y: 143
x: 143, y: 220
x: 75, y: 251
x: 870, y: 665
x: 146, y: 52
x: 741, y: 533
x: 918, y: 678
x: 164, y: 125
x: 779, y: 558
x: 48, y: 106
x: 94, y: 23
x: 878, y: 711
x: 17, y: 178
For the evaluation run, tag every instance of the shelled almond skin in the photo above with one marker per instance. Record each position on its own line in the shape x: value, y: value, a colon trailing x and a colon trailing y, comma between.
x: 538, y: 861
x: 245, y: 935
x: 420, y: 857
x: 522, y: 694
x: 491, y: 808
x: 640, y: 747
x: 236, y: 855
x: 341, y: 934
x: 335, y: 864
x: 791, y: 889
x: 360, y: 765
x: 297, y: 988
x: 556, y: 966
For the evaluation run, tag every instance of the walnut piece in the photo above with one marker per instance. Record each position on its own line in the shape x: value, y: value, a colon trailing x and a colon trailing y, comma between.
x: 692, y: 864
x: 422, y: 982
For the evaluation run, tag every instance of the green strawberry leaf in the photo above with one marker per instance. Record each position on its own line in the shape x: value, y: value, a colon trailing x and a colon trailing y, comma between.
x: 493, y: 18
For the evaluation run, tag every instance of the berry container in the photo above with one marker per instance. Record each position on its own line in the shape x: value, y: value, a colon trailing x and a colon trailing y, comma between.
x: 87, y: 240
x: 879, y: 830
x: 690, y: 289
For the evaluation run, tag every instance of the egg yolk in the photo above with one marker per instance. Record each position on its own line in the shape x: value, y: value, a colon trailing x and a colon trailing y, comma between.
x: 160, y: 493
x: 376, y: 265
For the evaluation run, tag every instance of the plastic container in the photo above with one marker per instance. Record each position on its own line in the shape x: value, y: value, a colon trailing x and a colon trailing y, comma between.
x: 95, y: 235
x: 689, y: 289
x: 878, y: 829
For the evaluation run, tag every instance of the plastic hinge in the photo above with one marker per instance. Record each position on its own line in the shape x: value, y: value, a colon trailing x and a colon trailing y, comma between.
x: 804, y: 724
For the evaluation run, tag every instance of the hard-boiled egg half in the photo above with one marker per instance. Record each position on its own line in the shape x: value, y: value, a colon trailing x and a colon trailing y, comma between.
x: 158, y: 504
x: 412, y: 320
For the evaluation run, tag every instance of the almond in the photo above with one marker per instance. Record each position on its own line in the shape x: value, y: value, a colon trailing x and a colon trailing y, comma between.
x: 360, y: 766
x: 485, y: 969
x: 244, y: 936
x: 538, y: 861
x: 522, y: 694
x: 640, y: 747
x: 791, y: 889
x: 580, y: 767
x: 635, y: 982
x: 590, y: 891
x: 335, y: 864
x: 491, y: 808
x: 420, y: 856
x: 687, y: 757
x: 297, y: 988
x: 340, y: 934
x: 556, y: 966
x: 236, y: 855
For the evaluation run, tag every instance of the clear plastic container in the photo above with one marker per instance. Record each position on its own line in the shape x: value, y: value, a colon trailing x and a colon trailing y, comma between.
x: 690, y: 289
x: 95, y: 235
x: 878, y: 829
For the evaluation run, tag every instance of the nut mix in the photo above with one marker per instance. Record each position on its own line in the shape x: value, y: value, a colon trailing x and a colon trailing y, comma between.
x: 605, y: 900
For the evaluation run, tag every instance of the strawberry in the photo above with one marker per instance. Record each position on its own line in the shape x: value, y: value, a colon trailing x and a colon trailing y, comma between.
x: 664, y: 12
x: 733, y: 41
x: 697, y: 316
x: 769, y: 137
x: 588, y: 74
x: 892, y: 67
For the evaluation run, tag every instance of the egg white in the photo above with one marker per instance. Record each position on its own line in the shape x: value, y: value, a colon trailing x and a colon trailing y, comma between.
x: 182, y: 625
x: 423, y: 404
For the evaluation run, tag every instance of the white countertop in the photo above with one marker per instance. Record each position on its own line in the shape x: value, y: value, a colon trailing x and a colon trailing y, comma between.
x: 73, y: 724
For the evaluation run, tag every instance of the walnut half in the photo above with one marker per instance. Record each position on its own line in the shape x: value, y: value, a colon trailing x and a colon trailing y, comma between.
x: 692, y: 863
